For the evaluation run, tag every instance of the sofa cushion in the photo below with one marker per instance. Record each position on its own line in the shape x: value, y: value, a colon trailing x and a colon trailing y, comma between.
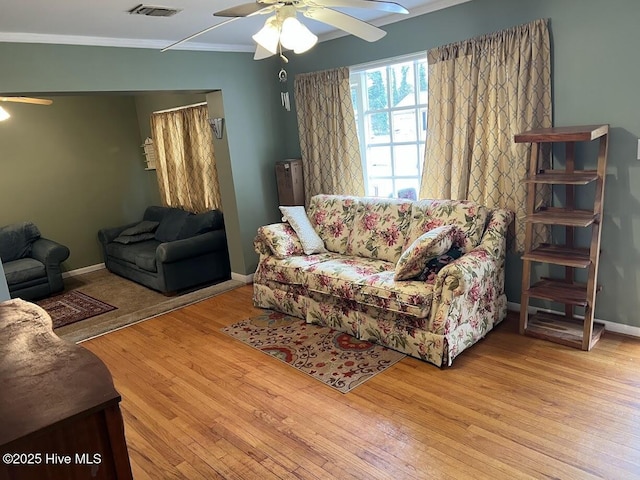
x: 379, y: 228
x: 382, y: 291
x: 332, y: 217
x: 145, y: 226
x: 16, y: 240
x: 340, y: 276
x: 23, y: 270
x: 171, y: 224
x: 290, y: 270
x: 468, y: 216
x: 140, y: 237
x: 297, y: 218
x: 201, y: 223
x: 429, y: 245
x: 146, y: 260
x: 129, y: 252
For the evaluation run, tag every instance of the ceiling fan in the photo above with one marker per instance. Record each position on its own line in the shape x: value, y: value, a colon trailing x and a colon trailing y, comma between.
x: 283, y: 29
x: 36, y: 101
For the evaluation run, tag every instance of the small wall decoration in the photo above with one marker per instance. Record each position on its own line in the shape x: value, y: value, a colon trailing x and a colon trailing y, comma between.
x: 149, y: 154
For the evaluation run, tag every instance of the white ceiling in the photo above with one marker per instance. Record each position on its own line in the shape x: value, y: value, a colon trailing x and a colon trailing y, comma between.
x: 108, y: 23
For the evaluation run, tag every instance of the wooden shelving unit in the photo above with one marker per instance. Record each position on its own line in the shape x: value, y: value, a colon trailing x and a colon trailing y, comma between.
x: 565, y: 329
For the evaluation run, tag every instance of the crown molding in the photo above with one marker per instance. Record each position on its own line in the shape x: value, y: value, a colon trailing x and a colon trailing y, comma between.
x: 12, y: 37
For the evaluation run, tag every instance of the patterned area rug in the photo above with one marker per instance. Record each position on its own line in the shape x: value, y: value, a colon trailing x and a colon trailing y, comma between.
x: 335, y: 358
x: 73, y: 306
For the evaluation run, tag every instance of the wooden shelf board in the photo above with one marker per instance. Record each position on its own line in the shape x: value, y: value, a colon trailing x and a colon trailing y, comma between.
x: 560, y: 216
x: 559, y: 329
x: 560, y: 255
x: 563, y: 134
x: 582, y: 177
x: 560, y: 291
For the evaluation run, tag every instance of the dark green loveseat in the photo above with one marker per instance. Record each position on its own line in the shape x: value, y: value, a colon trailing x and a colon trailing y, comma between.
x: 169, y: 250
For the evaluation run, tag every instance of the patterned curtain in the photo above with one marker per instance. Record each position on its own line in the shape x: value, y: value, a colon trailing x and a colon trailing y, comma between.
x: 328, y: 136
x: 185, y: 163
x: 482, y: 92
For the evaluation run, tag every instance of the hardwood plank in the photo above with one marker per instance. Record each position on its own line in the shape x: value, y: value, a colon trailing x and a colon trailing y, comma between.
x: 559, y: 216
x: 560, y: 255
x: 199, y: 404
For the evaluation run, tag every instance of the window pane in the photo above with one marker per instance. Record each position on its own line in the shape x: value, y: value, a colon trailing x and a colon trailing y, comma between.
x: 404, y: 126
x: 402, y: 85
x: 379, y: 162
x: 377, y: 89
x: 378, y: 130
x: 380, y: 187
x: 405, y: 158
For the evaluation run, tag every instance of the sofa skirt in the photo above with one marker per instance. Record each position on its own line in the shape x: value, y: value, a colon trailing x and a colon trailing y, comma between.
x: 399, y: 332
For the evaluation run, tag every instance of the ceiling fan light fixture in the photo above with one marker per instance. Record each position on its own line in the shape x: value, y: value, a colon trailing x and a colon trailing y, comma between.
x: 4, y: 115
x: 269, y: 35
x: 295, y: 36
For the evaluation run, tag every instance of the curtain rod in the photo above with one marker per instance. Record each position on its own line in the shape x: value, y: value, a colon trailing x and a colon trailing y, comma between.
x: 180, y: 108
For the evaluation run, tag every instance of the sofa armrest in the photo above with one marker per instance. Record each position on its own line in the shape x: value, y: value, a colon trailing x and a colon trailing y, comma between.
x: 51, y: 254
x: 107, y: 235
x: 191, y: 247
x: 278, y: 239
x: 493, y: 239
x: 468, y: 295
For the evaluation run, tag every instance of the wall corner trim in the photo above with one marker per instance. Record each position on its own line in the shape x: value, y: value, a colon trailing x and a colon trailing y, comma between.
x: 83, y: 270
x: 246, y: 279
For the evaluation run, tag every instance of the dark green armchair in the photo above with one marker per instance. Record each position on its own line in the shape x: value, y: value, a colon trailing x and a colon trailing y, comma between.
x: 32, y: 264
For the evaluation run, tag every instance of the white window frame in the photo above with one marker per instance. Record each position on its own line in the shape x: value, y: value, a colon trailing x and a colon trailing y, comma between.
x: 358, y: 82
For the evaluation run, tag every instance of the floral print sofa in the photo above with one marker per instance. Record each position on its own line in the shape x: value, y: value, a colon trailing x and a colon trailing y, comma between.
x: 351, y: 286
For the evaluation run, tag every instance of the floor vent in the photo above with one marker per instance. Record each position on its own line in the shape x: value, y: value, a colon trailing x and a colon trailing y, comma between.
x: 153, y: 11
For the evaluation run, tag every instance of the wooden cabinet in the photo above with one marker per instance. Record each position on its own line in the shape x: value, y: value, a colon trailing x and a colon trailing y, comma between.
x: 568, y: 329
x: 59, y: 411
x: 290, y: 182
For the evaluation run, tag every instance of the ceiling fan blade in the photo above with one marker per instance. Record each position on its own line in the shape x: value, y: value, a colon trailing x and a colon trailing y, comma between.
x: 345, y: 22
x: 243, y: 10
x: 381, y: 6
x: 35, y: 101
x: 197, y: 34
x: 262, y: 52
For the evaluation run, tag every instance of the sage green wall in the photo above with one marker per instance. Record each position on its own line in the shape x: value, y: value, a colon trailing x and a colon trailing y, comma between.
x: 73, y: 168
x: 595, y: 80
x: 251, y: 106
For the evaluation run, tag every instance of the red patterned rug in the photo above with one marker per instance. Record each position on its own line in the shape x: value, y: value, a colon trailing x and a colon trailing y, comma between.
x: 335, y: 358
x: 73, y: 306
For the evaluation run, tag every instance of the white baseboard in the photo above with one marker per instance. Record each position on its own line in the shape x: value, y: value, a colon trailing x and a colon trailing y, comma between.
x: 246, y: 279
x: 609, y: 326
x: 83, y: 270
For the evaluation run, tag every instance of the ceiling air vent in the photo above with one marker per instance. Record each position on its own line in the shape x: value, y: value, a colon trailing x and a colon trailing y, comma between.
x: 152, y: 11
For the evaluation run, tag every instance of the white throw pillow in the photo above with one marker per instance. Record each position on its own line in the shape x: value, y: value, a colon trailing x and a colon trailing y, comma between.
x: 297, y: 218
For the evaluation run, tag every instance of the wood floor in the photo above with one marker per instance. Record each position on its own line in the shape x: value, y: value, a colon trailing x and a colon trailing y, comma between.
x: 198, y: 404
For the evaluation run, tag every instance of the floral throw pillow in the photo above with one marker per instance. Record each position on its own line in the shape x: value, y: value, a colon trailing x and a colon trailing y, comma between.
x: 429, y: 245
x: 297, y: 218
x: 281, y: 239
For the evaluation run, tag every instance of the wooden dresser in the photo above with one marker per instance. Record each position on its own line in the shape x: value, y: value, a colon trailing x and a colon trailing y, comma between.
x: 59, y: 411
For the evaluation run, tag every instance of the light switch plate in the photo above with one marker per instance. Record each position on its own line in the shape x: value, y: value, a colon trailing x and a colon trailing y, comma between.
x: 639, y: 149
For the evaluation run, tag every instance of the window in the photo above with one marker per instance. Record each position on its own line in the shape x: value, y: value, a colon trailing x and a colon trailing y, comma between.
x: 390, y: 102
